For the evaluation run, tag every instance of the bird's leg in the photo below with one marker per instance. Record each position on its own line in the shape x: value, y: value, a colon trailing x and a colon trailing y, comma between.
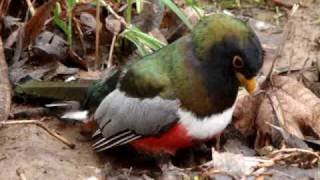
x: 89, y: 127
x: 217, y: 146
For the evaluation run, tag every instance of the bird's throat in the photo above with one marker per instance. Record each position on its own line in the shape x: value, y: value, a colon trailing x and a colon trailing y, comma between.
x: 212, y: 94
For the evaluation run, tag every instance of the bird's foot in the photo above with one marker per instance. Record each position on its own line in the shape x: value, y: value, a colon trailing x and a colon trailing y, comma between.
x: 217, y: 145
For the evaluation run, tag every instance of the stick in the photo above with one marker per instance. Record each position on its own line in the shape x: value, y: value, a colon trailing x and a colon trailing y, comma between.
x: 292, y: 150
x: 109, y: 8
x: 98, y: 28
x: 286, y: 33
x: 109, y: 64
x: 43, y: 126
x: 31, y: 8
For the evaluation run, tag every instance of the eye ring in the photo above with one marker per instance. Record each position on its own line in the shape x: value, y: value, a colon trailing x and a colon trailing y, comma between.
x: 237, y: 62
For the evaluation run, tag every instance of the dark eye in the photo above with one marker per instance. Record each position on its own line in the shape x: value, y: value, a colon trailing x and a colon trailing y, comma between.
x: 237, y: 62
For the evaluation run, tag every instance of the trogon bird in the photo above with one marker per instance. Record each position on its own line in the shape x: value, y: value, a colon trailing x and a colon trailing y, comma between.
x: 182, y: 94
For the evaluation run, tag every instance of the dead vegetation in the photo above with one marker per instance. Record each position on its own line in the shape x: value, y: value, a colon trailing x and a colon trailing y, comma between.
x: 274, y: 135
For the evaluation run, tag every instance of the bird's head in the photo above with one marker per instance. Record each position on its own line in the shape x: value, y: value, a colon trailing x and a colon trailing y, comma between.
x: 227, y: 43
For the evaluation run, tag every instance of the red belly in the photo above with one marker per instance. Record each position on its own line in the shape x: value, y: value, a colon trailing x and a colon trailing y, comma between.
x: 176, y: 138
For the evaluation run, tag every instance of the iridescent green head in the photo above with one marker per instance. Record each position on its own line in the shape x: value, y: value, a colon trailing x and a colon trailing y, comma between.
x: 230, y: 44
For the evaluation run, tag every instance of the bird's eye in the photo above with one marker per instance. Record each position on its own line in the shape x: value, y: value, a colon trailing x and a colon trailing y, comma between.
x: 237, y: 62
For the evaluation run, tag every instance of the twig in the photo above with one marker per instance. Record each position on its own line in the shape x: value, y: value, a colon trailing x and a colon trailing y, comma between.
x: 20, y: 173
x: 98, y: 28
x: 109, y: 64
x: 109, y: 8
x: 285, y: 36
x: 287, y: 153
x: 78, y: 28
x: 31, y: 8
x: 5, y: 89
x: 286, y: 32
x: 293, y: 150
x: 40, y: 124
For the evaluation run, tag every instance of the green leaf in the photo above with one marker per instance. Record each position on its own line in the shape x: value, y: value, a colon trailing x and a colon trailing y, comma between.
x: 144, y: 42
x: 56, y: 19
x: 191, y: 2
x: 143, y: 51
x: 146, y: 39
x: 178, y: 12
x: 71, y: 3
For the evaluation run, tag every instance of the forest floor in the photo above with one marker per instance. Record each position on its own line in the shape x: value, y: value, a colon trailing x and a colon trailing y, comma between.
x: 290, y: 35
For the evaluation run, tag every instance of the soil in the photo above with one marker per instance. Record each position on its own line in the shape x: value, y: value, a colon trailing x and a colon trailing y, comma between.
x: 41, y: 156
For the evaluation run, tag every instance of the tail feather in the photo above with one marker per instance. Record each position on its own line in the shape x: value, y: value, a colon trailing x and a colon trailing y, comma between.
x: 76, y: 115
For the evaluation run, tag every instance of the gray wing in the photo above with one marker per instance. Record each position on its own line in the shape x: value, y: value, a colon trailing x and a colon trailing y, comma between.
x: 122, y: 119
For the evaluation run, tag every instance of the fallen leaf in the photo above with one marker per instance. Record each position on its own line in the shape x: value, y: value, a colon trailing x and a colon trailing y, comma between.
x: 89, y: 21
x: 245, y: 113
x: 113, y: 25
x: 50, y: 44
x: 285, y: 103
x: 310, y: 103
x: 35, y: 24
x: 236, y: 165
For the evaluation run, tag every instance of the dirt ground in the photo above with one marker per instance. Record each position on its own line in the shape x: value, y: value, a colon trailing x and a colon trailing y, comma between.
x: 30, y: 149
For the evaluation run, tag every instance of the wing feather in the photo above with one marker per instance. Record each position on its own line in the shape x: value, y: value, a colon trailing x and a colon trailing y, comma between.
x: 122, y: 119
x: 107, y: 141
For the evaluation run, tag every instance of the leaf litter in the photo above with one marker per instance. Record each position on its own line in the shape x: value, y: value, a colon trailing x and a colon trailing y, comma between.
x: 274, y: 134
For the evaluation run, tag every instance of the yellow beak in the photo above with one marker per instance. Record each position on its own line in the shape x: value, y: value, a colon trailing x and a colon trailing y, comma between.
x: 249, y: 84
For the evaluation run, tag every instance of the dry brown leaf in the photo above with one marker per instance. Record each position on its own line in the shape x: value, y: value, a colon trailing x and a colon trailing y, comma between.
x: 287, y: 104
x: 113, y: 25
x: 264, y: 132
x: 245, y: 112
x: 300, y: 49
x: 4, y: 5
x: 35, y: 24
x: 309, y: 116
x: 314, y: 86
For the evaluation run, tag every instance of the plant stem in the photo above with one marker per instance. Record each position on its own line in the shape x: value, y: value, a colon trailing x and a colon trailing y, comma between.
x: 129, y: 11
x: 97, y: 64
x: 69, y: 26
